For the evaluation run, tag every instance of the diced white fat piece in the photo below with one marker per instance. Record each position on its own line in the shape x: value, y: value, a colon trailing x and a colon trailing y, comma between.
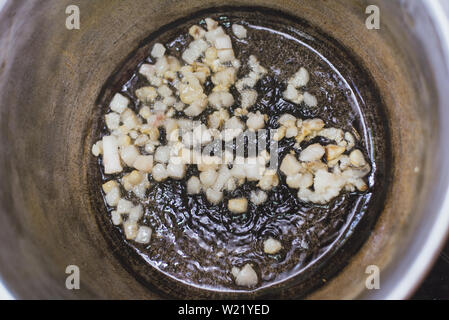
x: 350, y: 139
x: 140, y: 189
x: 258, y: 197
x: 221, y: 99
x: 176, y: 170
x: 161, y: 66
x: 211, y: 24
x: 256, y: 67
x: 124, y: 206
x: 225, y: 55
x: 255, y: 121
x: 158, y: 50
x: 162, y: 154
x: 116, y: 218
x: 135, y: 213
x: 108, y: 186
x: 113, y: 196
x: 310, y: 100
x: 238, y: 205
x: 272, y: 246
x: 143, y: 235
x: 143, y: 163
x: 208, y: 178
x: 254, y: 170
x: 239, y: 31
x: 164, y: 91
x: 293, y: 95
x: 112, y: 120
x: 313, y: 124
x: 269, y: 180
x: 291, y: 132
x: 149, y: 71
x: 300, y: 180
x: 159, y: 106
x: 235, y: 125
x: 300, y: 78
x: 224, y: 174
x: 224, y: 77
x: 129, y: 119
x: 238, y: 170
x: 357, y: 159
x: 141, y: 140
x: 201, y: 135
x: 246, y: 277
x: 130, y: 228
x: 111, y: 158
x: 119, y: 103
x: 169, y: 101
x: 230, y: 185
x: 287, y: 120
x: 197, y: 32
x: 195, y: 49
x: 223, y: 42
x: 213, y: 34
x: 333, y: 151
x: 217, y: 118
x: 248, y: 98
x: 290, y: 165
x: 214, y: 196
x: 159, y: 172
x: 196, y: 108
x: 97, y: 148
x: 325, y: 181
x: 174, y: 66
x: 326, y: 187
x: 193, y: 185
x: 146, y: 94
x: 129, y: 154
x: 247, y: 82
x: 332, y: 134
x: 150, y: 147
x: 312, y: 153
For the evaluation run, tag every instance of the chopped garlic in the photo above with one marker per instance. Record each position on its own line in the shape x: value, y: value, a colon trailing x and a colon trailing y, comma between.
x: 111, y: 158
x: 255, y: 121
x: 258, y: 197
x: 357, y: 158
x: 238, y: 205
x: 246, y: 277
x: 143, y: 235
x: 158, y: 50
x: 290, y: 165
x: 272, y: 246
x: 159, y: 172
x: 214, y: 196
x: 119, y: 103
x: 312, y: 153
x: 130, y: 229
x: 310, y: 100
x: 143, y: 163
x: 239, y: 31
x: 193, y: 185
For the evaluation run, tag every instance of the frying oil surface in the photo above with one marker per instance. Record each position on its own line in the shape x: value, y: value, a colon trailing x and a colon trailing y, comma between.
x: 199, y: 243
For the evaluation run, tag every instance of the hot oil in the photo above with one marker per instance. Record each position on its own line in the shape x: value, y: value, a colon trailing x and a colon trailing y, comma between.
x: 198, y: 243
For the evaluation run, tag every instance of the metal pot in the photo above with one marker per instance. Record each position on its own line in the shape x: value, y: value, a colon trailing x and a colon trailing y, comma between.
x: 50, y: 77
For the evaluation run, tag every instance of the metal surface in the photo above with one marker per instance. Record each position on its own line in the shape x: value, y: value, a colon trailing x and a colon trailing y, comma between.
x: 410, y: 53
